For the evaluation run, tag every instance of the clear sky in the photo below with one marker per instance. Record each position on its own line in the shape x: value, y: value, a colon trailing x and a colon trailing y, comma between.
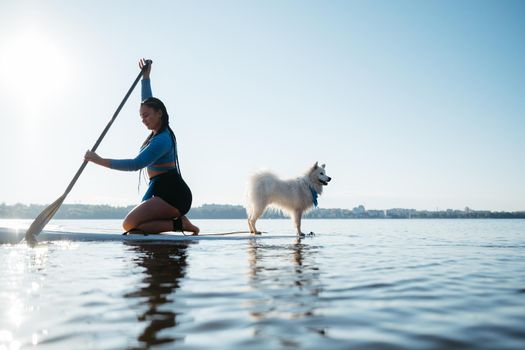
x: 413, y: 104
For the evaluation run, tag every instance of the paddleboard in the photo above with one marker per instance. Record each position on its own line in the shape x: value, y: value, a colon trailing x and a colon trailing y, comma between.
x: 13, y: 236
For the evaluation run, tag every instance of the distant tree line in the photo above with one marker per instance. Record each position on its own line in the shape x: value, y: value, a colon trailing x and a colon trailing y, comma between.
x: 225, y: 211
x: 66, y: 211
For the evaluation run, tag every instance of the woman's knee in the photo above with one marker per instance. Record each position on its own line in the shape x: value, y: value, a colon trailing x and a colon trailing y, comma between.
x: 129, y: 223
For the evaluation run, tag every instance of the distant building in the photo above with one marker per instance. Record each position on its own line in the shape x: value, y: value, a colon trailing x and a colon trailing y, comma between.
x: 359, y: 210
x: 376, y: 214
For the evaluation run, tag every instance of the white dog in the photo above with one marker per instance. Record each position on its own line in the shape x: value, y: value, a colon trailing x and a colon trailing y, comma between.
x: 293, y: 196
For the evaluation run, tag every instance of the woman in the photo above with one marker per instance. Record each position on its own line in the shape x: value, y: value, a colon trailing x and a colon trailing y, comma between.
x: 168, y: 198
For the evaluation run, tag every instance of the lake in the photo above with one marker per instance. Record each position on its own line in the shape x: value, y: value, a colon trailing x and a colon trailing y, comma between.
x: 357, y: 284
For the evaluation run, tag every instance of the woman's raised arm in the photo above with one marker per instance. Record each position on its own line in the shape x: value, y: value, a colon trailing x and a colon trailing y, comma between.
x: 145, y: 83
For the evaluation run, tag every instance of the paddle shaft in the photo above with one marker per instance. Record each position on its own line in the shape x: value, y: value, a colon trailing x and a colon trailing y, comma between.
x: 45, y: 216
x: 106, y: 129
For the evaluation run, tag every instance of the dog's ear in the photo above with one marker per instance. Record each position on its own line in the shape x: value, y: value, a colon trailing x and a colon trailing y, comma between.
x: 323, y: 166
x: 316, y: 165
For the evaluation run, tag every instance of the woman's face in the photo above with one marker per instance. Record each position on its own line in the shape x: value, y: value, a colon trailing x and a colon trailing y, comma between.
x: 151, y: 117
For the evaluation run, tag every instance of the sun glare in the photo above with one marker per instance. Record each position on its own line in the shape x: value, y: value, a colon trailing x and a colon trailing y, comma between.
x: 34, y: 66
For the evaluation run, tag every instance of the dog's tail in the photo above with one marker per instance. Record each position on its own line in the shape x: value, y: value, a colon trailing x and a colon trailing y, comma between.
x: 252, y: 193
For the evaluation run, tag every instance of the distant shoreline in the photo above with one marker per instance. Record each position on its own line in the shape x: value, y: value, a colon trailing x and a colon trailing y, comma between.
x: 226, y: 211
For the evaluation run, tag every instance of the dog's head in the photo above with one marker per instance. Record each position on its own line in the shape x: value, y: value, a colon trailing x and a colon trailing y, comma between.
x: 318, y: 174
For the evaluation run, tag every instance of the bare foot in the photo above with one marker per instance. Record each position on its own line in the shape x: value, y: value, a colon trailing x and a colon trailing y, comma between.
x: 188, y: 226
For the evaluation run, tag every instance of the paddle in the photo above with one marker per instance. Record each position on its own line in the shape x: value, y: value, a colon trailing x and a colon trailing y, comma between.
x: 46, y: 215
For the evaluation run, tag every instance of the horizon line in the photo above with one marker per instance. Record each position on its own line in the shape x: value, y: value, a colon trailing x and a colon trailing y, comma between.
x: 465, y: 209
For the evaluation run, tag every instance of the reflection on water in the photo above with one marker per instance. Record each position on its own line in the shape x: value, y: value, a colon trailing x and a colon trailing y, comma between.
x: 165, y: 267
x: 287, y: 278
x: 281, y: 304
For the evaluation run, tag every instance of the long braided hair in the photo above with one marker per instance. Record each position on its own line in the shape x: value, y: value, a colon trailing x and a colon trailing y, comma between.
x: 157, y: 105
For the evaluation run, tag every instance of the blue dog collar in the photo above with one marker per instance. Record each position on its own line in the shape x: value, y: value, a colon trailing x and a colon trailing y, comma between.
x: 314, y: 195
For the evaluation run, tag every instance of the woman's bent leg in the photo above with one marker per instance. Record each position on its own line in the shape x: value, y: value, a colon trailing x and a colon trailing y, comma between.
x: 153, y: 209
x: 155, y: 216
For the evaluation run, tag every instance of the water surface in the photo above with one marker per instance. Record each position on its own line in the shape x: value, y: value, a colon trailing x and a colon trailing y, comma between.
x: 360, y: 284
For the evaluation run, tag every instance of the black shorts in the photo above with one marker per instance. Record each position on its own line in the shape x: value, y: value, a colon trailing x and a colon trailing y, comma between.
x: 171, y: 188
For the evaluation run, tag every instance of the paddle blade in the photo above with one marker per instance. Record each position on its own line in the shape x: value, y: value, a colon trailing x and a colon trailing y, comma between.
x: 42, y: 219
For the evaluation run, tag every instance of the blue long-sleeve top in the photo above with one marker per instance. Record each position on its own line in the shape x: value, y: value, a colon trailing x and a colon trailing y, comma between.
x: 159, y: 150
x: 146, y: 92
